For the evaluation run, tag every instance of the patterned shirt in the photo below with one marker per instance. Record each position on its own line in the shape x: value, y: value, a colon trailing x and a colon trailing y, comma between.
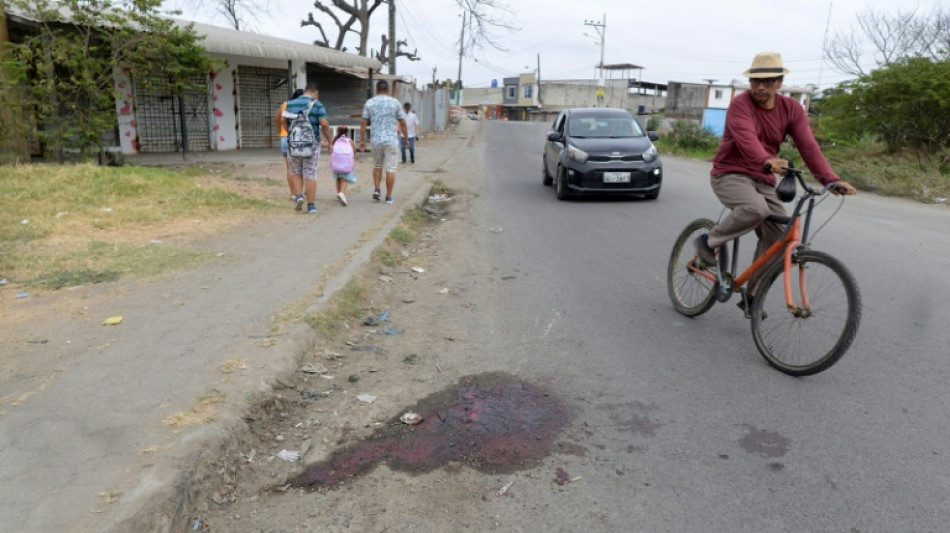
x: 383, y: 112
x: 297, y: 105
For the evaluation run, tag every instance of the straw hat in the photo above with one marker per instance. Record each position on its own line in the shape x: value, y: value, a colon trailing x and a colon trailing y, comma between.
x: 766, y: 65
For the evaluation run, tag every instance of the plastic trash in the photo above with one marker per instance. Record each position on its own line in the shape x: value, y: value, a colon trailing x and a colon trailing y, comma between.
x: 391, y: 331
x: 420, y: 270
x: 366, y: 398
x: 289, y: 456
x: 22, y: 294
x: 112, y: 321
x: 411, y: 418
x: 383, y: 316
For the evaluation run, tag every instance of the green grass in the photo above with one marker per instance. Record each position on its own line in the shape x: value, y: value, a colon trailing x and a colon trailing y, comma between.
x: 345, y: 305
x: 665, y: 147
x: 64, y: 225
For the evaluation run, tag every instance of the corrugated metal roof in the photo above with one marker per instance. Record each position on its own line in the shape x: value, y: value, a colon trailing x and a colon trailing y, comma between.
x: 220, y: 40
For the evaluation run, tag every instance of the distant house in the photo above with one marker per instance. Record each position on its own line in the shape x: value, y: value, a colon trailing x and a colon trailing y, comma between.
x: 520, y: 96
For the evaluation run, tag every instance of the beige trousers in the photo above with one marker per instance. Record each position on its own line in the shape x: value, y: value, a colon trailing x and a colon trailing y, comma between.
x: 751, y: 201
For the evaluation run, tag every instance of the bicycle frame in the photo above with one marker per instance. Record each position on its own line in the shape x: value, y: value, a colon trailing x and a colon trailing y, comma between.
x: 792, y: 239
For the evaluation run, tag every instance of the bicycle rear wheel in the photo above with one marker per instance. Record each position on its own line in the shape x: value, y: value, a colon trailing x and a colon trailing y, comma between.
x: 691, y: 293
x: 806, y: 341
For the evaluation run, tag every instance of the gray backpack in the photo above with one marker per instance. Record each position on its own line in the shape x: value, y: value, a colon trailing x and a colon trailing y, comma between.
x: 300, y: 138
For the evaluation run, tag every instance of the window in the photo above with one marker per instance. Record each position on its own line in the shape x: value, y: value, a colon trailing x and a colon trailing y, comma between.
x: 512, y: 92
x: 718, y: 94
x: 527, y: 91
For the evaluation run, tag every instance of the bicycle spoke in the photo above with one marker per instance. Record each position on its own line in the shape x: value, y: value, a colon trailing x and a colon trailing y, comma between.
x: 811, y: 342
x: 691, y: 293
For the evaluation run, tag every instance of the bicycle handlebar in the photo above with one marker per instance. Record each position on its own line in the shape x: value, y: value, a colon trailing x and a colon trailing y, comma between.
x: 799, y: 176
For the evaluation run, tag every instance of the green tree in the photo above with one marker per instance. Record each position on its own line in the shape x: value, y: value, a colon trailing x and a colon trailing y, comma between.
x: 906, y: 105
x: 65, y: 68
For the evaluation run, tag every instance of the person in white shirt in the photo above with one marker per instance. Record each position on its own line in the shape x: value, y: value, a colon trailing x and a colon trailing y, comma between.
x: 412, y: 125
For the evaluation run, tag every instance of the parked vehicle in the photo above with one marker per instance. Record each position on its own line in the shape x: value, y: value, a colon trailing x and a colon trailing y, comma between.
x: 601, y: 150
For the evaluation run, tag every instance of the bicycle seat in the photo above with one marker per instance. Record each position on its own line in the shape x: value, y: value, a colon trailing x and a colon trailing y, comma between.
x: 779, y: 219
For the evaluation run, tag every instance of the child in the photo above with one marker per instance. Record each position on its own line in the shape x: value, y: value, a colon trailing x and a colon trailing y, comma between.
x: 342, y: 161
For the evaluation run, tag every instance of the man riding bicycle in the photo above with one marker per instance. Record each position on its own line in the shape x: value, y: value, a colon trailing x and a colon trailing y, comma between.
x: 744, y: 168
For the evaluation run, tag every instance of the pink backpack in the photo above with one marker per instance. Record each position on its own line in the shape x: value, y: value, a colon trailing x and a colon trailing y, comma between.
x: 342, y: 159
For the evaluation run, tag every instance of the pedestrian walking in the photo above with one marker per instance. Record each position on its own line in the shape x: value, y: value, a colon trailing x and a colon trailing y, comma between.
x: 282, y: 124
x: 384, y: 113
x: 303, y: 169
x: 342, y: 162
x: 412, y: 129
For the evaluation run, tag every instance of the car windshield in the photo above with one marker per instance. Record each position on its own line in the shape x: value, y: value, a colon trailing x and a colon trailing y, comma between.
x: 604, y: 127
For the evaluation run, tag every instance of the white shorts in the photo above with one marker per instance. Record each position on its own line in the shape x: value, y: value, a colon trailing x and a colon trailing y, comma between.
x: 385, y: 156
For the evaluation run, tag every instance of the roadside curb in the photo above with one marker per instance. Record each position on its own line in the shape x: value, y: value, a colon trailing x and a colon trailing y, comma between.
x: 161, y: 499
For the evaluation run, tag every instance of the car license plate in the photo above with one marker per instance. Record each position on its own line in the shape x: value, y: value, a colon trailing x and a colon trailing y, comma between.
x: 616, y: 177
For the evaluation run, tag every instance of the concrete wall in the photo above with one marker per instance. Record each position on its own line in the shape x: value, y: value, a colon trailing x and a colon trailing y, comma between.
x: 685, y: 100
x: 559, y: 95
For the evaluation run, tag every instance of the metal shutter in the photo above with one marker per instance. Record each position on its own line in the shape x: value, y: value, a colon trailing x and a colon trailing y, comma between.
x: 260, y: 93
x: 158, y: 123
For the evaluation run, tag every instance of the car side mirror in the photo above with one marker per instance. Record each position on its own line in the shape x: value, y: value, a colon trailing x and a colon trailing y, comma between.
x: 554, y: 136
x: 654, y: 136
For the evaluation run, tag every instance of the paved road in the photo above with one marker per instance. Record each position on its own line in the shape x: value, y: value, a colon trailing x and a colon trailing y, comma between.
x: 685, y: 427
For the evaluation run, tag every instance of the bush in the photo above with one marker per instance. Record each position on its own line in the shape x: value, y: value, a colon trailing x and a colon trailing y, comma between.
x: 689, y: 136
x: 904, y: 104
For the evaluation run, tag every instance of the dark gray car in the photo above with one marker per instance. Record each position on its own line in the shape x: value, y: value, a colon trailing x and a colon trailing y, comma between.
x: 601, y: 150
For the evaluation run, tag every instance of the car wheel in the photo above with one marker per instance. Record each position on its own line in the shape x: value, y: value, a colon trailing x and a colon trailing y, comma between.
x: 560, y: 183
x: 546, y: 178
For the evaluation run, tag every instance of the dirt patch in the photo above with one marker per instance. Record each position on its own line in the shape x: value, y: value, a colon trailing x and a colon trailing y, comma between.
x: 343, y: 407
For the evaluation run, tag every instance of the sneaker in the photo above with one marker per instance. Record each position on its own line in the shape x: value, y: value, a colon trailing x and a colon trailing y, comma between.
x: 389, y: 199
x: 376, y: 194
x: 298, y: 202
x: 342, y: 198
x: 746, y: 305
x: 311, y: 209
x: 706, y: 254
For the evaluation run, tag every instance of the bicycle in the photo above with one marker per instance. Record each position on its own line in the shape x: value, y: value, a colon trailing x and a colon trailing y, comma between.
x: 798, y: 338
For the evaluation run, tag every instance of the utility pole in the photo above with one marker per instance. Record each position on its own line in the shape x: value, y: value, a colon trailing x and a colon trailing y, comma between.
x: 601, y: 28
x: 458, y: 81
x: 392, y: 36
x: 538, y: 81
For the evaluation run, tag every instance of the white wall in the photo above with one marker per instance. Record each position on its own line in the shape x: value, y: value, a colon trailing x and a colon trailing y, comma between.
x: 725, y: 96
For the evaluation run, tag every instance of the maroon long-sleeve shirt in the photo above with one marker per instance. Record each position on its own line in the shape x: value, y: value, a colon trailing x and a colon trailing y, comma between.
x: 753, y: 135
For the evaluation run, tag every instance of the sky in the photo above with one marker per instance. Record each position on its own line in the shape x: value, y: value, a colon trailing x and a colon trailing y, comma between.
x: 673, y: 40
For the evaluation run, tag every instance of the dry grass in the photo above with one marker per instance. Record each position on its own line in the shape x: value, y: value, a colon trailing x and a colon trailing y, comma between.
x: 66, y: 225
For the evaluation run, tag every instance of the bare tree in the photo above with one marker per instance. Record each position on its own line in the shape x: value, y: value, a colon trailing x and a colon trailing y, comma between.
x: 237, y: 13
x: 483, y: 17
x: 383, y: 54
x: 358, y: 13
x: 890, y: 39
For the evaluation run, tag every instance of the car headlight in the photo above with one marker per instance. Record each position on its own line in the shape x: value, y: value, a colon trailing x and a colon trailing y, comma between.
x: 577, y: 154
x: 650, y: 155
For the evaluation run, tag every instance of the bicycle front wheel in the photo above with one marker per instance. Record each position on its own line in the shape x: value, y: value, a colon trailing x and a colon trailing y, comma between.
x: 813, y: 336
x: 692, y: 294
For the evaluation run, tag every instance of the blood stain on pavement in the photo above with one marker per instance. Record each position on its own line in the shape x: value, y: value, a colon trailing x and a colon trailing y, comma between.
x: 493, y: 422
